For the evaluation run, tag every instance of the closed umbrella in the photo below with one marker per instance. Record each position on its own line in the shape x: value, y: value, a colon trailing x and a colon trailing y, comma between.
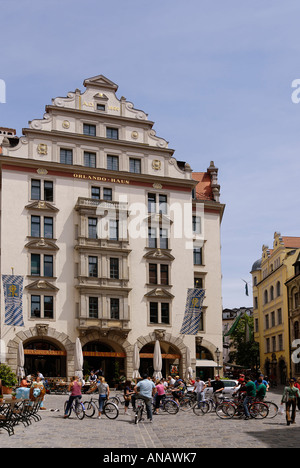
x: 189, y: 370
x: 78, y: 359
x: 136, y: 362
x: 157, y: 361
x: 20, y: 361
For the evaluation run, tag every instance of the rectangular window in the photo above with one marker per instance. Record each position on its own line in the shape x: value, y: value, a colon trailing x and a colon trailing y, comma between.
x: 35, y: 226
x: 164, y: 274
x: 89, y: 159
x: 112, y: 133
x: 163, y: 204
x: 153, y: 312
x: 151, y: 203
x: 66, y: 156
x: 164, y: 241
x: 48, y: 227
x: 114, y: 268
x: 93, y: 267
x: 92, y: 228
x: 95, y: 193
x: 35, y: 306
x: 93, y: 307
x: 89, y: 129
x: 152, y: 273
x: 35, y: 189
x: 196, y: 225
x: 135, y: 166
x: 113, y: 163
x: 35, y: 265
x: 48, y: 307
x: 107, y: 194
x: 152, y: 239
x: 165, y: 312
x: 48, y: 265
x: 101, y: 107
x: 198, y: 256
x: 113, y: 229
x: 115, y: 309
x: 48, y: 191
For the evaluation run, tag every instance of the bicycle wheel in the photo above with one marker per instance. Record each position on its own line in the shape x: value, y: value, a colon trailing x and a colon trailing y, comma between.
x: 65, y: 408
x: 185, y: 404
x: 79, y: 410
x: 115, y: 400
x: 273, y: 409
x: 171, y: 407
x: 111, y: 410
x: 90, y: 408
x: 225, y: 410
x: 258, y: 410
x: 201, y: 408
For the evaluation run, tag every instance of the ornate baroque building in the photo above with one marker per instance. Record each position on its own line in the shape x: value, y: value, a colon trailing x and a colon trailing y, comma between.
x: 271, y: 305
x: 93, y: 206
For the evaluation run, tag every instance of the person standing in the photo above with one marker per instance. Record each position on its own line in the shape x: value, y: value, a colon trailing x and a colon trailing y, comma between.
x: 146, y: 390
x: 199, y: 388
x: 160, y: 388
x: 103, y: 389
x: 289, y: 397
x: 261, y: 389
x: 250, y: 394
x: 75, y: 389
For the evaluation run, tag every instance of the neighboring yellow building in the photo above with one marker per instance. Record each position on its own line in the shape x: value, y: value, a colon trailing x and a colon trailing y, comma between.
x: 270, y: 305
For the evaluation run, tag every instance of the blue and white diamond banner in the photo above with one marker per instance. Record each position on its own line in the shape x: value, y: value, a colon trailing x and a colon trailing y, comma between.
x: 193, y: 311
x: 13, y: 296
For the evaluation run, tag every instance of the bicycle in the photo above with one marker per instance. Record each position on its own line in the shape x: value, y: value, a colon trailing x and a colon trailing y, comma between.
x: 77, y: 407
x: 235, y: 408
x: 110, y: 409
x: 200, y: 408
x: 139, y: 410
x: 167, y: 404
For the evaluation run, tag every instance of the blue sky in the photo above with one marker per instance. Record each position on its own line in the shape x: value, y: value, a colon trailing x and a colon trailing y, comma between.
x: 214, y: 76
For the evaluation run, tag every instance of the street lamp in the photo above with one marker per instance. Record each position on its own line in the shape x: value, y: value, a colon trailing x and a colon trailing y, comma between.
x: 218, y: 354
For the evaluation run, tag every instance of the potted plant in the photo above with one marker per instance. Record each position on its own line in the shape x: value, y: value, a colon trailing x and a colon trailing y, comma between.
x: 8, y: 379
x: 1, y: 399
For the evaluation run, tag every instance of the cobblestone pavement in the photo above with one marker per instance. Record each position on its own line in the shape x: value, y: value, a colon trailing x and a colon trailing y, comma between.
x: 184, y: 430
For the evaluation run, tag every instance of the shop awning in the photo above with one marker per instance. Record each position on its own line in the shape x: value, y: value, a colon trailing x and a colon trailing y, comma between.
x: 206, y: 363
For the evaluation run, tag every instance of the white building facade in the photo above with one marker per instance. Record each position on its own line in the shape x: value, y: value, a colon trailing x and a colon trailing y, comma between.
x: 104, y: 225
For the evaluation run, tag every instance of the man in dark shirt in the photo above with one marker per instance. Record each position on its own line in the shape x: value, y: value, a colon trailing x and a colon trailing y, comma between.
x: 218, y: 387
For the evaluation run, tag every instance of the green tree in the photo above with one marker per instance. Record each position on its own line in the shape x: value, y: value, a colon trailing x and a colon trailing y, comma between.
x: 246, y: 352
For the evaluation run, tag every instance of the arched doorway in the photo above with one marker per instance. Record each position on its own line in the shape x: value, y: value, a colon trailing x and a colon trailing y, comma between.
x: 106, y: 359
x: 46, y: 357
x: 170, y: 359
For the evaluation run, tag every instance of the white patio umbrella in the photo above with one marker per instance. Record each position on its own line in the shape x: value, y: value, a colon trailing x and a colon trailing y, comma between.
x: 136, y: 362
x: 157, y: 361
x: 20, y: 361
x: 189, y: 370
x: 78, y: 359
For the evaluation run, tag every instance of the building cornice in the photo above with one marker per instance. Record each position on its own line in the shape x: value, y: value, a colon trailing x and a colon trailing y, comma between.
x: 93, y: 174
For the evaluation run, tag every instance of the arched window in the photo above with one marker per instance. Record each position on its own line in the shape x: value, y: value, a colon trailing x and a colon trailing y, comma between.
x: 272, y: 293
x: 278, y: 288
x: 266, y: 299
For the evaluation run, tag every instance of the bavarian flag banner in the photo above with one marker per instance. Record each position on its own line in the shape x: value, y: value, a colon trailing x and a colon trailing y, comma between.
x: 193, y: 312
x: 13, y: 296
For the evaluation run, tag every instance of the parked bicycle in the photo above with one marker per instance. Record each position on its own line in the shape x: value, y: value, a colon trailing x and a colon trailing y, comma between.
x: 77, y: 407
x: 110, y: 409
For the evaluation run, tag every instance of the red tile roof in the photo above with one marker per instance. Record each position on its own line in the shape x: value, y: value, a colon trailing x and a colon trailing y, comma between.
x: 291, y: 242
x: 203, y: 189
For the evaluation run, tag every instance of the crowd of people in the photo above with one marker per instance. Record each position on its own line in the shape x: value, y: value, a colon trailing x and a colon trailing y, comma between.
x: 149, y: 389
